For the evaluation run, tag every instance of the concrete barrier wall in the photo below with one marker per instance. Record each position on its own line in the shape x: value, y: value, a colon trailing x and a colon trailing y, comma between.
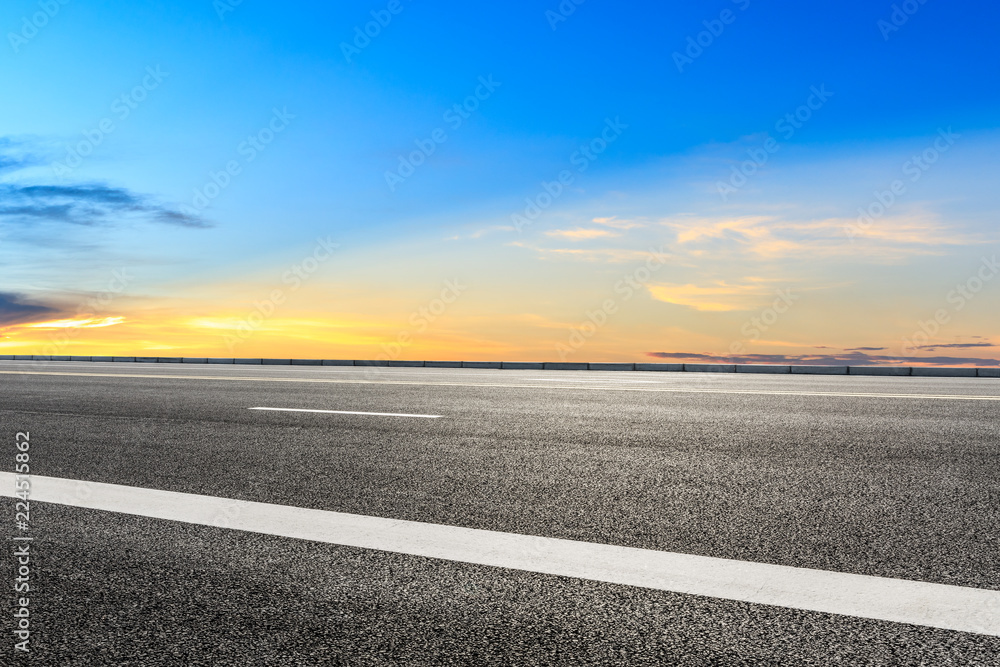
x: 752, y: 368
x: 880, y: 370
x: 674, y: 368
x: 877, y: 371
x: 939, y: 372
x: 819, y: 370
x: 710, y: 368
x: 523, y: 365
x: 610, y: 367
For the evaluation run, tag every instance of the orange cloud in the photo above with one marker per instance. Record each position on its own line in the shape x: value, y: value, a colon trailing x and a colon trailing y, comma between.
x: 719, y: 296
x: 580, y: 233
x: 769, y: 237
x: 616, y: 223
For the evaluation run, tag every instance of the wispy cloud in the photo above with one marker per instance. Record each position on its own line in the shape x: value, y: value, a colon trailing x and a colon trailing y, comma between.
x: 580, y: 233
x: 15, y: 155
x: 954, y: 346
x: 716, y: 296
x: 768, y: 237
x: 27, y: 204
x: 84, y: 205
x: 481, y: 232
x: 618, y: 223
x: 84, y: 323
x: 611, y: 255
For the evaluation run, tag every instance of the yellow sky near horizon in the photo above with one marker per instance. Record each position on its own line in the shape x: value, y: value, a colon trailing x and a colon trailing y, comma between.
x: 754, y: 285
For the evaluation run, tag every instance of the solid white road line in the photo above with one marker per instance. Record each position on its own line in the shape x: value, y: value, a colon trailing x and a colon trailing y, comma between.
x: 393, y: 370
x: 617, y: 387
x: 348, y: 412
x: 897, y: 600
x: 602, y: 380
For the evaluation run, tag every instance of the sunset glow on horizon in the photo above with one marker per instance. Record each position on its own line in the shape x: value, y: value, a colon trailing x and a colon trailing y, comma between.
x: 242, y: 184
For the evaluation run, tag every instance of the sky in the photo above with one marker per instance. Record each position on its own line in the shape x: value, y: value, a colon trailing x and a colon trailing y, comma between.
x: 726, y: 180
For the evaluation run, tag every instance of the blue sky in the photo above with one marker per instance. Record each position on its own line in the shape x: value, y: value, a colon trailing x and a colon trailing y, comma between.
x: 225, y: 70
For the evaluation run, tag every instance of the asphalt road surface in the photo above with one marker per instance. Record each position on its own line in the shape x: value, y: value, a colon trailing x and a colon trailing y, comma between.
x: 894, y: 478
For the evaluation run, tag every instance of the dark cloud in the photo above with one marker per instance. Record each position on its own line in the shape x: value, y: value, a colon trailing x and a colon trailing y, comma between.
x: 10, y: 164
x: 13, y: 156
x: 956, y: 346
x: 86, y: 205
x: 855, y: 358
x: 865, y: 349
x: 13, y: 310
x: 181, y: 219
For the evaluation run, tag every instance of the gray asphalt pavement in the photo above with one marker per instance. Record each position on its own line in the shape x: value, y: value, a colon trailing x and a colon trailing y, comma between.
x: 892, y: 477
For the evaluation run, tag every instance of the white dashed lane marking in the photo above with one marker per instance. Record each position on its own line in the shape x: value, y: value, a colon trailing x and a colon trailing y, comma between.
x: 349, y: 412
